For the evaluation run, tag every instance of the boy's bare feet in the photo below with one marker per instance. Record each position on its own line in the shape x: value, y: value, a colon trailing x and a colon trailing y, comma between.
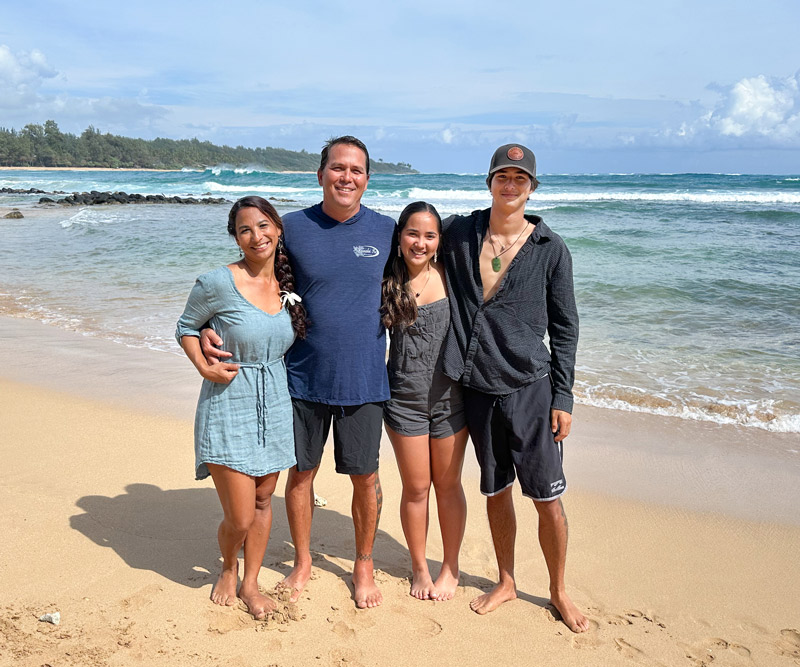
x: 490, y: 601
x: 573, y: 618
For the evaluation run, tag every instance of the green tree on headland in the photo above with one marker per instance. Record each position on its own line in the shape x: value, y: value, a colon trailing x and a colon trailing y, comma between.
x: 46, y: 146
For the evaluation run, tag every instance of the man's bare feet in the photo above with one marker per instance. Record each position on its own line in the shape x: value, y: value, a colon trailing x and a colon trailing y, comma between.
x: 446, y: 584
x: 365, y: 593
x: 422, y: 586
x: 224, y: 591
x: 490, y: 601
x: 572, y: 616
x: 258, y: 605
x: 296, y: 581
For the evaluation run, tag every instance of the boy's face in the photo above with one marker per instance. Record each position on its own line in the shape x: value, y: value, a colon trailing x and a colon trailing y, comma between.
x: 510, y: 188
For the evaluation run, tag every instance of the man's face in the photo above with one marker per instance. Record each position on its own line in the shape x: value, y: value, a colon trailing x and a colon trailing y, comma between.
x: 510, y: 188
x: 344, y: 178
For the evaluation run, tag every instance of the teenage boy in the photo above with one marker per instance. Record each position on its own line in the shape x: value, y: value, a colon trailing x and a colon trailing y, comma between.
x: 510, y: 282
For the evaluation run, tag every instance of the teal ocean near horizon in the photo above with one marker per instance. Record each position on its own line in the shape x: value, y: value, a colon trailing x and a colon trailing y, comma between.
x: 687, y: 284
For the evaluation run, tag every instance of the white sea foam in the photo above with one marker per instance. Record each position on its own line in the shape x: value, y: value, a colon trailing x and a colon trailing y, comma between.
x: 448, y: 195
x: 586, y: 197
x: 252, y: 169
x: 88, y: 216
x: 701, y: 198
x: 745, y: 416
x: 213, y: 186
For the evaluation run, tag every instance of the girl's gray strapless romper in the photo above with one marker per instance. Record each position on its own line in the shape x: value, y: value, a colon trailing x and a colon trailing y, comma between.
x: 424, y: 400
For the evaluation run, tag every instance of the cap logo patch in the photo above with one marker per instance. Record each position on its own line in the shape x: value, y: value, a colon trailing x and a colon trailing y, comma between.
x: 515, y: 153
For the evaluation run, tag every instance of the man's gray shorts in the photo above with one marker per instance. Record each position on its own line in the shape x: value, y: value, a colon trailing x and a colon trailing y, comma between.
x: 512, y: 434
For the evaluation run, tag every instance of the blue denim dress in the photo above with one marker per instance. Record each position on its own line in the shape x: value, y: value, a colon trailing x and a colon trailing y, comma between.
x: 245, y: 425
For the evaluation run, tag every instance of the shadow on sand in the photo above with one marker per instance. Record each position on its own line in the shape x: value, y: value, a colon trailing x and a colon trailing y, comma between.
x: 174, y: 533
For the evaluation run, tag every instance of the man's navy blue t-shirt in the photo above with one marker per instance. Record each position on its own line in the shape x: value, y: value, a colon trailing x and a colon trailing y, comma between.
x: 338, y: 268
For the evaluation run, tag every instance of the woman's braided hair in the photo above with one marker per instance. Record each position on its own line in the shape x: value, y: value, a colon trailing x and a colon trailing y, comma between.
x: 283, y: 265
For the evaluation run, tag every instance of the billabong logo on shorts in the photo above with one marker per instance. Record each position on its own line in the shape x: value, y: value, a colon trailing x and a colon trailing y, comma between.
x: 555, y: 487
x: 366, y: 251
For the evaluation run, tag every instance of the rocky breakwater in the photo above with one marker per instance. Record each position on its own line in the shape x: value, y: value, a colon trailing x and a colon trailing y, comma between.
x: 95, y: 198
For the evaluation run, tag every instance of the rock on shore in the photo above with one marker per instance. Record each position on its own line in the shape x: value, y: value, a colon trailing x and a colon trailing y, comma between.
x: 94, y: 198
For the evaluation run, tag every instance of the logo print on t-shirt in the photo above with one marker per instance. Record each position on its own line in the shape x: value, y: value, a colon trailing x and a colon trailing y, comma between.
x: 365, y: 251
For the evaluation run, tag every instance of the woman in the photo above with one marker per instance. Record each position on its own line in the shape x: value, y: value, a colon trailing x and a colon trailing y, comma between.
x: 424, y: 417
x: 243, y: 425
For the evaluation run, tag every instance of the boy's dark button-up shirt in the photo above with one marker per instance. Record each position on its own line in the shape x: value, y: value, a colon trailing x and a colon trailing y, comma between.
x: 498, y: 346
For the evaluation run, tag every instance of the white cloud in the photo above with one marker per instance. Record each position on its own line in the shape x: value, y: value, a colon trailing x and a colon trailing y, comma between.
x: 759, y: 111
x: 22, y: 101
x: 769, y: 107
x: 21, y: 75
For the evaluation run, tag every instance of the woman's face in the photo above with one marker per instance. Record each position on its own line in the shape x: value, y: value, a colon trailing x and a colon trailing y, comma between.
x: 256, y: 234
x: 419, y: 239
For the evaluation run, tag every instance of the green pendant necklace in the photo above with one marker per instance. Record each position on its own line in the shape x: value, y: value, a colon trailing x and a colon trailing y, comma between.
x: 496, y: 263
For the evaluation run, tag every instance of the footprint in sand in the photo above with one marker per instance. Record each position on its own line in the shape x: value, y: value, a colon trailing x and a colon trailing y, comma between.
x: 419, y: 624
x: 617, y: 619
x: 345, y: 657
x: 141, y: 598
x: 715, y: 648
x: 789, y: 643
x: 343, y: 630
x: 588, y: 639
x: 628, y: 650
x: 225, y: 621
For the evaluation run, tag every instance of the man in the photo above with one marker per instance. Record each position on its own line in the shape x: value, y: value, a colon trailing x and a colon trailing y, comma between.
x: 338, y: 373
x: 517, y: 394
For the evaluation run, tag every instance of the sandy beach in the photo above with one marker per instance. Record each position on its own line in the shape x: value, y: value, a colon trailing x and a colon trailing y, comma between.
x: 683, y: 545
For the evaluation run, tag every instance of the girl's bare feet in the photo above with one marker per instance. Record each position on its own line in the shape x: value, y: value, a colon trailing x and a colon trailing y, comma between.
x: 422, y: 586
x: 446, y: 584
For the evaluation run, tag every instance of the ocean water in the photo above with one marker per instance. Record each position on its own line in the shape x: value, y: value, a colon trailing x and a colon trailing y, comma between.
x: 688, y: 285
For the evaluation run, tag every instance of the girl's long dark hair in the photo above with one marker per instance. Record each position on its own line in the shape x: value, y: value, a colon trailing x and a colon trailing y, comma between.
x: 283, y: 265
x: 398, y: 306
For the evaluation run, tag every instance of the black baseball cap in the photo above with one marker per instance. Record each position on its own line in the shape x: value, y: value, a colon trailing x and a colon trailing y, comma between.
x: 513, y: 155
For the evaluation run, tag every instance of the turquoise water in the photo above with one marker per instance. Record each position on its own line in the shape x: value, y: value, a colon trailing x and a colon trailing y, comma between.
x: 687, y: 284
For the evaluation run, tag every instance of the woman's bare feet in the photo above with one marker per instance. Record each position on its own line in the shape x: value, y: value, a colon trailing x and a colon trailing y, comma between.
x: 573, y: 618
x: 224, y: 591
x: 422, y: 586
x: 490, y: 601
x: 258, y: 604
x: 446, y: 584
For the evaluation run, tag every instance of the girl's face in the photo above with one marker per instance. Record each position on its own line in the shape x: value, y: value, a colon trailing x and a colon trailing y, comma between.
x: 419, y: 239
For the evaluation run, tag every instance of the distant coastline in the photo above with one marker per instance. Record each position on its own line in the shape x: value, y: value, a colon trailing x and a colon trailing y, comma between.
x: 6, y: 168
x: 46, y: 146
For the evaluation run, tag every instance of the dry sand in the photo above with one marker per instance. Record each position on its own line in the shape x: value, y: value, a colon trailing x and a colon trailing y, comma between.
x: 683, y: 551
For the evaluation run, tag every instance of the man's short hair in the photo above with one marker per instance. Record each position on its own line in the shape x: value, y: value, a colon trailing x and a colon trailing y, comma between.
x: 346, y: 139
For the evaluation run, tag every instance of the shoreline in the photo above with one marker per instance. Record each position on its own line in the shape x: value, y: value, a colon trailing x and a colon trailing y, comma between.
x: 98, y: 492
x: 719, y: 469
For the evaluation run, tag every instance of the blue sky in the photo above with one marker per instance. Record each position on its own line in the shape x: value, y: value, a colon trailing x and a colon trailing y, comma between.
x: 590, y: 87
